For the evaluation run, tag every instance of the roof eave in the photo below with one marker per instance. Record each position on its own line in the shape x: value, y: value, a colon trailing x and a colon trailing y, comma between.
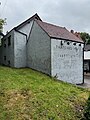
x: 66, y: 39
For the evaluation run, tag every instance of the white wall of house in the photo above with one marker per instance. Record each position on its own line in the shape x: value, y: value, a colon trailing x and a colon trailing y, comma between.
x: 19, y: 50
x: 59, y: 58
x: 7, y: 51
x: 16, y: 52
x: 38, y: 50
x: 20, y: 41
x: 86, y: 55
x: 67, y: 61
x: 26, y: 28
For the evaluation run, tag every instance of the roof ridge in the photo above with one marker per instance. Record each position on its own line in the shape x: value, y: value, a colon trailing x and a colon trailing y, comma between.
x: 30, y: 18
x: 51, y: 24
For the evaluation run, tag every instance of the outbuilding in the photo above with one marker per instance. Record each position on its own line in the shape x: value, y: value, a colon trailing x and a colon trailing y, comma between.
x: 13, y: 46
x: 48, y: 48
x: 87, y: 58
x: 55, y: 51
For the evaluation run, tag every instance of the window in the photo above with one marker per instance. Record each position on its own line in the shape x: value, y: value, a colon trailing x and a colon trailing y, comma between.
x: 9, y: 40
x: 61, y: 43
x: 5, y: 45
x: 79, y: 44
x: 8, y: 62
x: 68, y: 43
x: 4, y: 57
x: 74, y: 43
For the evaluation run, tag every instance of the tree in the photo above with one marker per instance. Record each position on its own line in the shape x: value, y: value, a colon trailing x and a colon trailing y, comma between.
x: 85, y: 37
x: 87, y: 110
x: 2, y: 22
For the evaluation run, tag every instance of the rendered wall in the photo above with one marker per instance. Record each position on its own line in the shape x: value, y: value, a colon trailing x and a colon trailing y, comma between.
x: 38, y: 50
x: 26, y: 28
x: 19, y: 50
x: 20, y: 45
x: 67, y: 61
x: 7, y: 50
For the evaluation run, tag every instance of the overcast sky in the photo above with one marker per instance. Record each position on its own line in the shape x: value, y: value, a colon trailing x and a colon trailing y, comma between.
x: 72, y: 14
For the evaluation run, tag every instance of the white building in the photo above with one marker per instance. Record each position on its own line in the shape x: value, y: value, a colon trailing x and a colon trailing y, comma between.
x: 44, y: 47
x: 87, y: 58
x: 13, y: 48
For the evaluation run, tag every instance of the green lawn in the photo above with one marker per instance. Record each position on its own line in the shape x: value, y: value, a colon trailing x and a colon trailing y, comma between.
x: 29, y: 95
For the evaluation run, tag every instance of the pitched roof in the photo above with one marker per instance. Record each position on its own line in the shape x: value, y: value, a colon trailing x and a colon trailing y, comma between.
x: 28, y: 20
x: 24, y: 23
x: 58, y: 32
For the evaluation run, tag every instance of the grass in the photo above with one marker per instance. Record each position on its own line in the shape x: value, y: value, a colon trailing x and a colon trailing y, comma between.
x: 29, y: 95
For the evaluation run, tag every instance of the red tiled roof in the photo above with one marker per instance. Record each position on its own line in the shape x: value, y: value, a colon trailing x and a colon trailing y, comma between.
x: 57, y: 32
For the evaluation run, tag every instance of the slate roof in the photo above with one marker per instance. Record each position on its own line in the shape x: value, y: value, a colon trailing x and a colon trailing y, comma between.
x: 58, y: 32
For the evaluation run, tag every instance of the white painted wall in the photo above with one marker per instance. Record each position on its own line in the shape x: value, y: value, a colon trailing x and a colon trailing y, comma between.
x: 26, y: 28
x: 38, y: 50
x: 7, y: 51
x: 20, y: 45
x: 86, y: 55
x: 19, y: 50
x: 67, y: 61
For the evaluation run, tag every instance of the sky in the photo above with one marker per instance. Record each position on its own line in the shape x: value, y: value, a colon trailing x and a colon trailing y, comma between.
x: 72, y: 14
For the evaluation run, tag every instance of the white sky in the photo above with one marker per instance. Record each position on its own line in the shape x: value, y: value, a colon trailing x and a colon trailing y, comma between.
x: 72, y: 14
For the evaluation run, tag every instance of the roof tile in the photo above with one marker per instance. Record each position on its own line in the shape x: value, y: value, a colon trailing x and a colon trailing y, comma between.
x: 58, y: 32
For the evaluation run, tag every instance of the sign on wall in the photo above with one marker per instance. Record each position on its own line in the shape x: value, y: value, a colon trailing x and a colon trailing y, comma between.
x: 67, y: 60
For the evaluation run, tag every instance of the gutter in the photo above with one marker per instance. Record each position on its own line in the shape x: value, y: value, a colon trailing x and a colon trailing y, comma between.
x: 21, y: 32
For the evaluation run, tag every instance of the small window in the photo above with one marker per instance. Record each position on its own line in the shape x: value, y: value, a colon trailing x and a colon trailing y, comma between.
x: 5, y: 45
x: 74, y: 43
x: 61, y: 43
x: 9, y: 40
x: 4, y: 57
x: 68, y: 43
x: 8, y: 62
x: 79, y: 44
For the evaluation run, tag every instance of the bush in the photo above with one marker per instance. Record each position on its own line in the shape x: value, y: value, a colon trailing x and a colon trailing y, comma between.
x: 87, y: 110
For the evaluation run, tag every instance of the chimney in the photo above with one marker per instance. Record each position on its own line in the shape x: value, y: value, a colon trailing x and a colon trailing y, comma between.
x: 72, y: 31
x: 77, y: 34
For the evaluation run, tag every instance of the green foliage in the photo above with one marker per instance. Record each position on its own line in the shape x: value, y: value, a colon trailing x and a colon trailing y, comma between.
x: 85, y: 37
x: 26, y: 94
x: 87, y: 110
x: 2, y: 22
